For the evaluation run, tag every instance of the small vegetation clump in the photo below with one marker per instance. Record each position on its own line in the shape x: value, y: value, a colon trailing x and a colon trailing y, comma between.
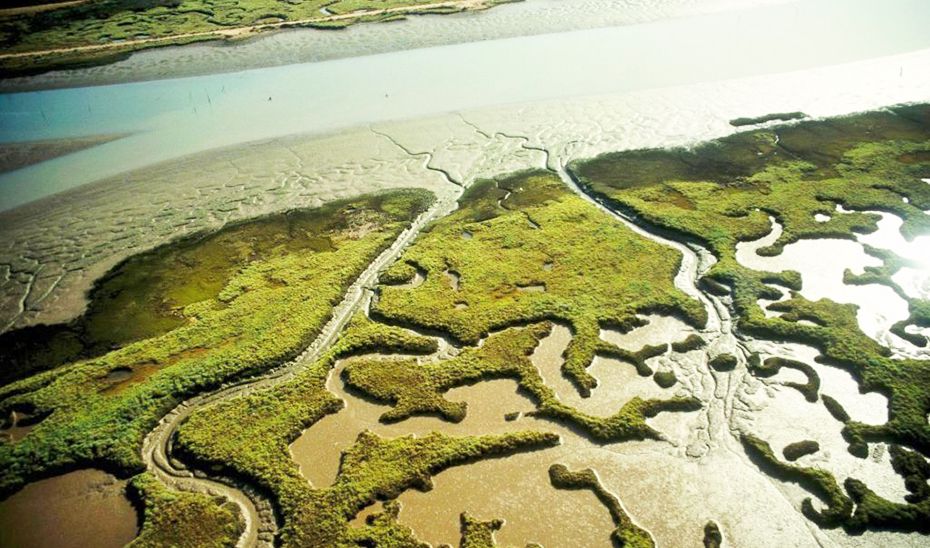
x: 835, y: 409
x: 723, y: 362
x: 693, y: 342
x: 600, y: 274
x: 713, y: 538
x: 477, y: 533
x: 798, y: 449
x: 183, y: 519
x: 268, y: 312
x: 627, y: 533
x: 665, y: 379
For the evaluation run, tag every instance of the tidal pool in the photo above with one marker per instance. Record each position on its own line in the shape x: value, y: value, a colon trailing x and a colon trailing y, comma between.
x: 839, y: 384
x: 19, y: 425
x: 318, y: 450
x: 913, y: 280
x: 515, y: 489
x: 82, y: 509
x: 822, y: 263
x: 787, y: 417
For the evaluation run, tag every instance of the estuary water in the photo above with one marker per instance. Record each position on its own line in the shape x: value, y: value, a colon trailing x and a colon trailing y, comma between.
x: 176, y: 117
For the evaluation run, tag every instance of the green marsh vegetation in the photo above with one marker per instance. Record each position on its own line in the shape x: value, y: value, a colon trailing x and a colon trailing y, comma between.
x: 182, y: 519
x: 798, y: 449
x: 147, y: 294
x: 771, y: 366
x: 815, y: 480
x: 418, y: 389
x: 722, y: 192
x: 528, y: 230
x: 520, y: 253
x: 268, y: 311
x: 249, y: 436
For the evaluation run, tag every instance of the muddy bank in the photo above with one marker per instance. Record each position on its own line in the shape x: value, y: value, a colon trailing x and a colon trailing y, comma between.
x: 82, y: 509
x: 516, y: 489
x: 21, y: 154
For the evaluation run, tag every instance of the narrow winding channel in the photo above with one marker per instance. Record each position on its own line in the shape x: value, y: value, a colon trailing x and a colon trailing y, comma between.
x: 260, y: 525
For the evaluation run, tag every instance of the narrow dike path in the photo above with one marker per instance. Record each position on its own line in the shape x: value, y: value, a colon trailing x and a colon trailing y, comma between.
x: 257, y: 511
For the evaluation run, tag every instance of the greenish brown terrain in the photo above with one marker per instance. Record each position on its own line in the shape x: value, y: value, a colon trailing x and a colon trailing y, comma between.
x: 147, y: 294
x: 536, y: 223
x: 525, y: 249
x: 723, y: 192
x: 255, y: 296
x: 102, y: 31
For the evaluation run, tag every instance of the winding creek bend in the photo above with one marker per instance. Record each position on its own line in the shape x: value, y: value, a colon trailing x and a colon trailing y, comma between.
x: 718, y: 331
x: 259, y: 520
x: 721, y: 405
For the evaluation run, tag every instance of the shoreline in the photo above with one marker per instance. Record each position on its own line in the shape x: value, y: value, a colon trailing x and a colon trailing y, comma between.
x: 25, y: 63
x: 19, y: 154
x: 176, y: 117
x: 288, y: 46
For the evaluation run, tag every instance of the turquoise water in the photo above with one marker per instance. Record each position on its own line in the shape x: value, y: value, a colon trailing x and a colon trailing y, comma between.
x: 176, y: 117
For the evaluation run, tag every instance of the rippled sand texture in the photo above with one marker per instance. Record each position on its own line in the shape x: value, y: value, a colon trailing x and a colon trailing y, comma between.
x: 83, y: 509
x: 52, y: 250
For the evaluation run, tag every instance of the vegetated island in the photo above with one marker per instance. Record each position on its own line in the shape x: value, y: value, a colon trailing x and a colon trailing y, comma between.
x: 520, y: 252
x: 37, y: 36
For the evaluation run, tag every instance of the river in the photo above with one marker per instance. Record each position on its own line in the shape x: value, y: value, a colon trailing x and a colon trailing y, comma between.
x: 176, y: 117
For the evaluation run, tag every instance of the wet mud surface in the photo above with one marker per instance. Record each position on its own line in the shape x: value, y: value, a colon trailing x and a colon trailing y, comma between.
x: 82, y: 509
